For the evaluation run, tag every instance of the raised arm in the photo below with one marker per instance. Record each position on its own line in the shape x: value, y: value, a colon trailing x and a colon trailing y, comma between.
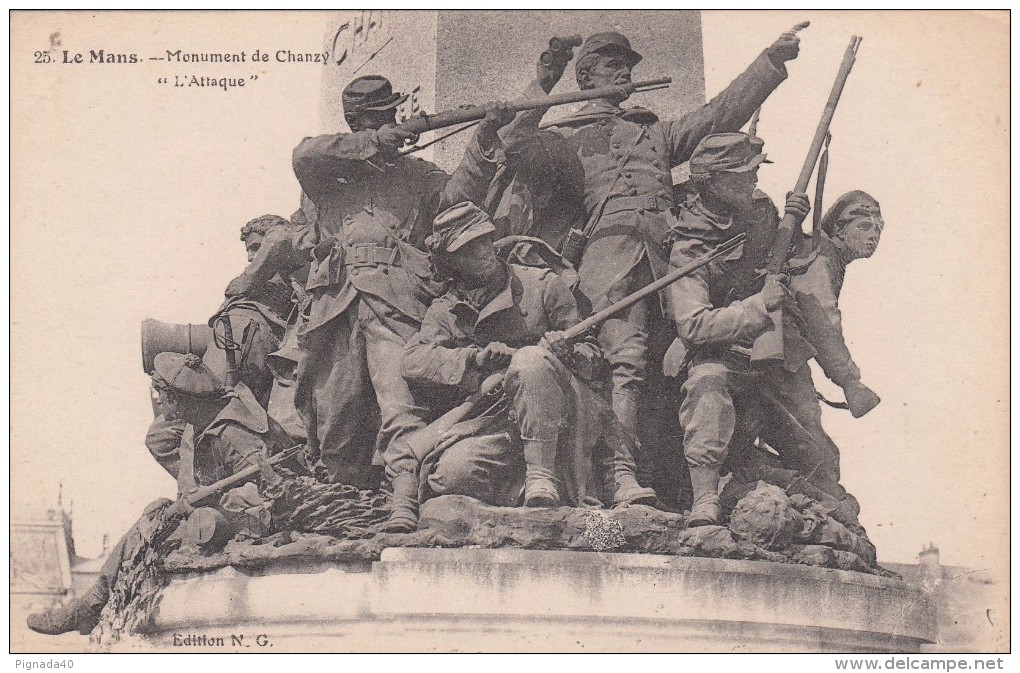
x: 483, y: 155
x: 322, y: 162
x: 283, y: 249
x: 733, y: 107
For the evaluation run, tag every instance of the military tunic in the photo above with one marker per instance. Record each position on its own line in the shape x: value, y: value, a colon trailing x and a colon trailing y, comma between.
x: 817, y: 288
x: 719, y: 311
x: 545, y: 400
x: 816, y: 280
x: 627, y: 156
x: 369, y: 285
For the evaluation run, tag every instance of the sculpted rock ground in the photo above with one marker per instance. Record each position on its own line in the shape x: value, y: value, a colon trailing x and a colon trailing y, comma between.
x: 466, y: 521
x: 766, y: 524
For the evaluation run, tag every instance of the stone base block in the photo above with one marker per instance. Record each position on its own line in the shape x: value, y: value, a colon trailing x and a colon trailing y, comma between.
x: 512, y: 600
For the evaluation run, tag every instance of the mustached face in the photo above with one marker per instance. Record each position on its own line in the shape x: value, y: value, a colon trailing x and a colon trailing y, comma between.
x: 860, y: 236
x: 609, y: 70
x: 373, y: 119
x: 475, y: 261
x: 735, y: 191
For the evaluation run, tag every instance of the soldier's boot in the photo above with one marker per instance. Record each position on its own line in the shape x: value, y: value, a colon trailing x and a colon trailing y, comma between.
x: 75, y: 616
x: 614, y: 456
x: 706, y: 510
x: 404, y: 505
x: 630, y: 492
x: 540, y: 474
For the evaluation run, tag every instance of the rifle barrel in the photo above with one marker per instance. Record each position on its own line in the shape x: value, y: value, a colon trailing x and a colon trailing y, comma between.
x: 422, y: 441
x: 785, y: 237
x: 422, y: 123
x: 650, y: 289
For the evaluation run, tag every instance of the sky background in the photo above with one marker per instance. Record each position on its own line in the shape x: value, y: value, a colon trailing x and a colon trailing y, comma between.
x: 128, y: 195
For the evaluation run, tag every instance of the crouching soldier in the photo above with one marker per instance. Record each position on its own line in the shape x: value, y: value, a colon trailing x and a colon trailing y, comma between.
x: 232, y: 432
x: 539, y: 436
x: 721, y: 309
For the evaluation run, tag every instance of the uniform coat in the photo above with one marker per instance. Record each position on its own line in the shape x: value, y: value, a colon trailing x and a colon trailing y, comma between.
x: 627, y: 156
x: 545, y: 400
x: 719, y: 311
x: 369, y: 284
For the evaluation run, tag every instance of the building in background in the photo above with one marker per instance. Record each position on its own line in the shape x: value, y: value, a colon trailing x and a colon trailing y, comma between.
x: 45, y: 571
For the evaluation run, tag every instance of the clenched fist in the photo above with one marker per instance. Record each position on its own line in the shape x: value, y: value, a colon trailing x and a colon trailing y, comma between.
x: 776, y: 292
x: 550, y: 67
x: 497, y: 115
x: 392, y: 139
x: 787, y: 47
x: 797, y: 205
x: 556, y: 344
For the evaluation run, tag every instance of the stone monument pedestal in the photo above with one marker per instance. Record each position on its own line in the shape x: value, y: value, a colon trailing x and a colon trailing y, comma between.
x: 513, y: 600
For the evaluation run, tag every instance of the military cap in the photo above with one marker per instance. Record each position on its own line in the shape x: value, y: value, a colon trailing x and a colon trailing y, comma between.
x: 185, y: 374
x: 758, y: 145
x: 605, y: 43
x: 849, y: 207
x: 458, y: 225
x: 370, y: 93
x: 729, y: 152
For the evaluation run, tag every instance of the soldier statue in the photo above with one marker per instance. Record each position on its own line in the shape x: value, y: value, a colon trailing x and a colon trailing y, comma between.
x: 370, y: 280
x: 538, y: 440
x: 850, y: 230
x: 626, y: 155
x: 232, y: 432
x: 258, y: 322
x: 721, y: 309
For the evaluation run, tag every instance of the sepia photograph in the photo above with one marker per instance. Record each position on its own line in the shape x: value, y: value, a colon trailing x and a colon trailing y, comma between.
x: 491, y: 331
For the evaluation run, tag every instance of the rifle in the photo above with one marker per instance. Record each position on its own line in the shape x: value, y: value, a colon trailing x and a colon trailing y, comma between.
x: 769, y: 346
x: 421, y: 441
x: 422, y: 122
x: 171, y: 516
